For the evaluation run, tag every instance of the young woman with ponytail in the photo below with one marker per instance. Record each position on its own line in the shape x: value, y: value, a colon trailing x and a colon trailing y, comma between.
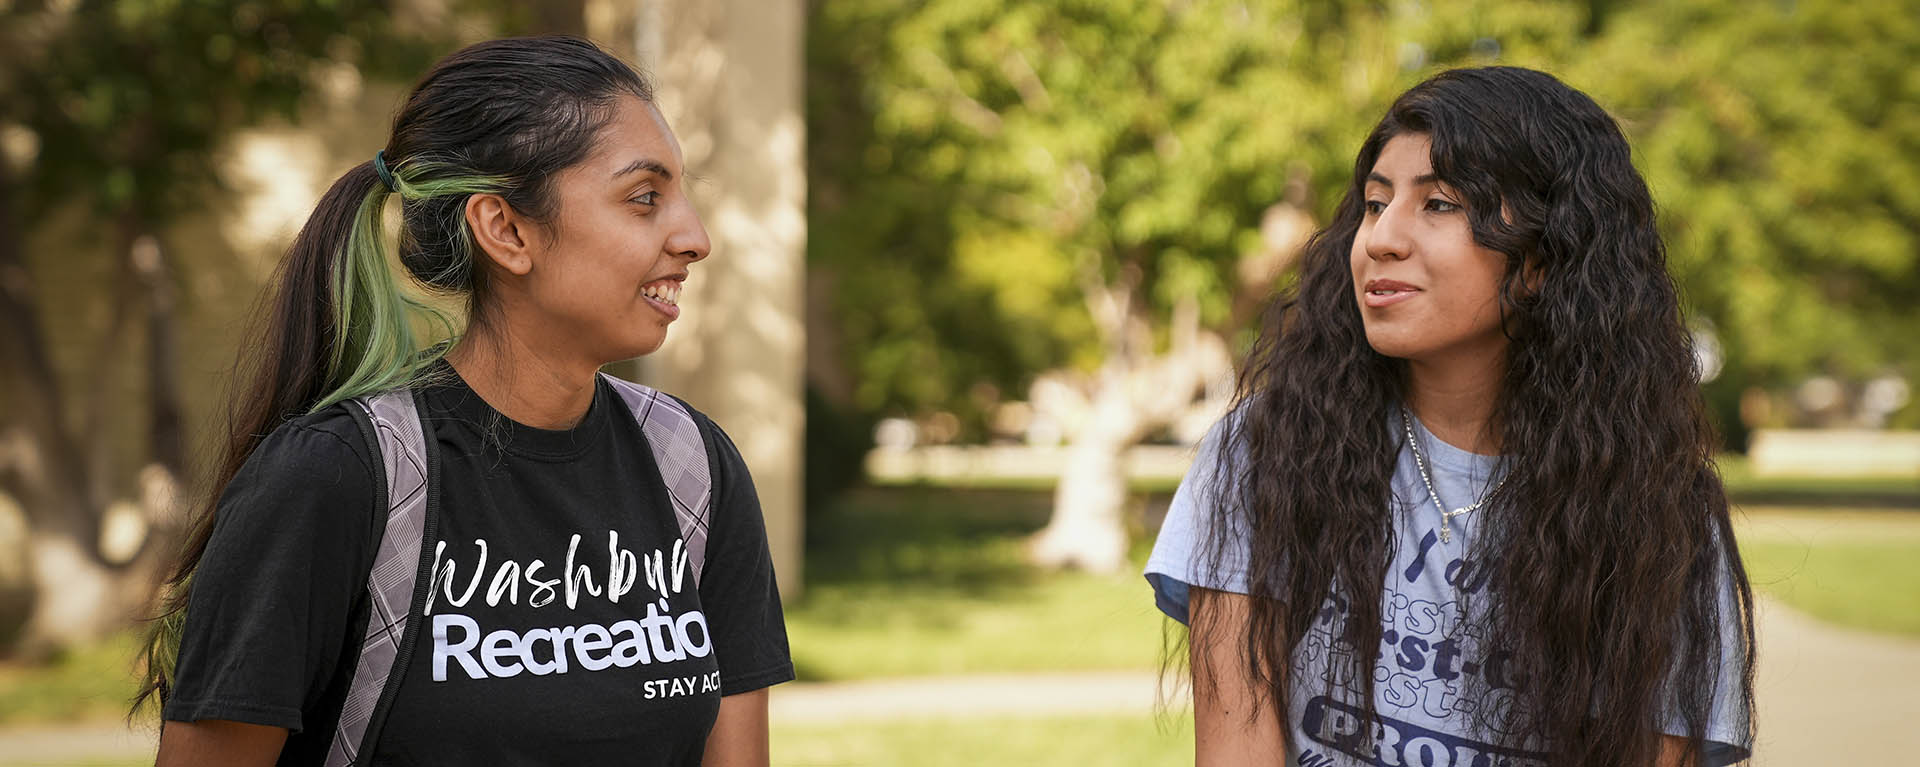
x: 538, y: 185
x: 1464, y: 511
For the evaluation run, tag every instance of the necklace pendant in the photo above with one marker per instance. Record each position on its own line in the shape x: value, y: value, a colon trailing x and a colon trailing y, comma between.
x: 1446, y: 532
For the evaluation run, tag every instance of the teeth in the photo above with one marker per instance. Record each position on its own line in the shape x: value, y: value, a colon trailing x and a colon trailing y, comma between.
x: 666, y: 293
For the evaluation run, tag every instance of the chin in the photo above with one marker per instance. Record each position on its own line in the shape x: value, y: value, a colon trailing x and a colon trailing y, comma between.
x: 1385, y: 342
x: 645, y: 348
x: 632, y: 348
x: 1395, y: 343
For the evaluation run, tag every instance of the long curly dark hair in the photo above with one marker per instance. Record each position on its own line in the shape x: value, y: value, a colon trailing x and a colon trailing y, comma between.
x: 1609, y: 541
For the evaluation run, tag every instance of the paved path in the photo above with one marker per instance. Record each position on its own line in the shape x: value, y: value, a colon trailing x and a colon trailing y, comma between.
x: 1834, y: 696
x: 1827, y: 696
x: 974, y: 695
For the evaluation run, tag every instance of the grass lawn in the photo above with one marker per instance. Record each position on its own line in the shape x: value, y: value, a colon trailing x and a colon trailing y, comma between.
x: 1855, y: 568
x: 94, y: 682
x: 1109, y: 741
x: 1810, y: 492
x: 909, y: 581
x: 917, y: 581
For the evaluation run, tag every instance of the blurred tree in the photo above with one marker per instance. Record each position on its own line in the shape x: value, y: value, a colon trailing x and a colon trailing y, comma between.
x: 1105, y: 190
x: 119, y: 108
x: 1003, y: 188
x: 1782, y: 142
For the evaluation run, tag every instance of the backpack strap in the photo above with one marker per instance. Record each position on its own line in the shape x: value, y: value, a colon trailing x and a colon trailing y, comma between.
x: 680, y: 451
x: 394, y: 580
x: 398, y: 582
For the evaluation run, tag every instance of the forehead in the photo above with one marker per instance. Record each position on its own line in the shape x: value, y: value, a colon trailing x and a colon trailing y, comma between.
x: 635, y: 133
x: 1405, y: 156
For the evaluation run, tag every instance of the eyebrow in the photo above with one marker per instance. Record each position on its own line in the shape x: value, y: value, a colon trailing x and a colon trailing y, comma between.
x: 645, y: 164
x: 1420, y: 180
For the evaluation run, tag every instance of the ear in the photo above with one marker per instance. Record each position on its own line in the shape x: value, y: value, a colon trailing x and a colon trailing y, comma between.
x: 501, y: 232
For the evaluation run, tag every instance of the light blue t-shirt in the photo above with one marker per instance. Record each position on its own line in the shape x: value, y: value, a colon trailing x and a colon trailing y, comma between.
x: 1431, y: 650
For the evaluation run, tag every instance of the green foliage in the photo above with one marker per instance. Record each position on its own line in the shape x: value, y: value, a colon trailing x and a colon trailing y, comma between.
x: 974, y: 161
x: 983, y: 160
x: 1782, y: 141
x: 129, y: 99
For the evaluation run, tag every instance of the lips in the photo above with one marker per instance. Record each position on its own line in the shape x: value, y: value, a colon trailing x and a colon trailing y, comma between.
x: 664, y: 294
x: 1384, y: 293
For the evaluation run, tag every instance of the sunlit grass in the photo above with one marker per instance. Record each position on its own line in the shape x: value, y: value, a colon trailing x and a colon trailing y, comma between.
x: 932, y: 581
x: 1854, y: 568
x: 89, y: 682
x: 920, y: 581
x: 1109, y: 741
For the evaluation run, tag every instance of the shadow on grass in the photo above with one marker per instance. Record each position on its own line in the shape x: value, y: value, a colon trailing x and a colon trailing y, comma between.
x: 915, y: 580
x: 967, y: 541
x: 1836, y: 497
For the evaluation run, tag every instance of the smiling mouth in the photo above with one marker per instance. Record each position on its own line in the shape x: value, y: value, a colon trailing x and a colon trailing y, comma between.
x: 664, y: 291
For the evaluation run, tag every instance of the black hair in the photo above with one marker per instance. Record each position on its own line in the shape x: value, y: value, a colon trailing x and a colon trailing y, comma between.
x: 1610, y: 542
x: 500, y: 117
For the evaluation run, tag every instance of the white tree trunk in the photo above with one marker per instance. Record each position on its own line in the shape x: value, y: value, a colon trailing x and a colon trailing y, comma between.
x: 77, y: 598
x: 1135, y: 393
x: 80, y: 595
x: 1088, y: 528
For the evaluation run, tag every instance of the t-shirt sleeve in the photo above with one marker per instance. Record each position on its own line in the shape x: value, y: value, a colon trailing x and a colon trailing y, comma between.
x: 1180, y: 558
x: 737, y: 587
x: 1729, y: 733
x: 270, y: 603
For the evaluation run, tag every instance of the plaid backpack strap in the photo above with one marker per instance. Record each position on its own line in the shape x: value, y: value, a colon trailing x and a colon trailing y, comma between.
x: 681, y: 453
x: 392, y: 581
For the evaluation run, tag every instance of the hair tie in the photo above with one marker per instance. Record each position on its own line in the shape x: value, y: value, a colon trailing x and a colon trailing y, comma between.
x: 380, y: 167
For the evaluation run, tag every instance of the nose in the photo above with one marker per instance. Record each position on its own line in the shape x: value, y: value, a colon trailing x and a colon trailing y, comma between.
x: 1388, y: 239
x: 689, y: 237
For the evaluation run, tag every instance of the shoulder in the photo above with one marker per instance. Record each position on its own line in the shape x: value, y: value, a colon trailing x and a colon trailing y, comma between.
x: 332, y: 435
x: 322, y: 455
x: 310, y: 480
x: 720, y: 448
x: 729, y: 466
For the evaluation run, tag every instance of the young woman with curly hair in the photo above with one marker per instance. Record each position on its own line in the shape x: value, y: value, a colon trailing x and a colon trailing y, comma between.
x: 1465, y: 511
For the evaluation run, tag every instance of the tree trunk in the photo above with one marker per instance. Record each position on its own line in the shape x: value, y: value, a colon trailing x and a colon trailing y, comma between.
x: 1088, y: 527
x: 1136, y: 392
x: 79, y: 595
x: 166, y: 430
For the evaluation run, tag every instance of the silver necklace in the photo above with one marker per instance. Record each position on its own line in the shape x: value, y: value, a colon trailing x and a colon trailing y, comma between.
x: 1446, y: 517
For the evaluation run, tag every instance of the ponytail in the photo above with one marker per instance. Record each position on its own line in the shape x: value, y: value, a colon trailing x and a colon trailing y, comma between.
x: 499, y: 117
x: 339, y: 325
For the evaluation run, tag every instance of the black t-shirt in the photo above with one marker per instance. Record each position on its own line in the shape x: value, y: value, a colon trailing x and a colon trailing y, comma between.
x: 563, y: 628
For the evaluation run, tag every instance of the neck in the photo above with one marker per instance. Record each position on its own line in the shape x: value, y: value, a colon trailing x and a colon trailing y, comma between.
x: 1454, y: 398
x: 529, y: 383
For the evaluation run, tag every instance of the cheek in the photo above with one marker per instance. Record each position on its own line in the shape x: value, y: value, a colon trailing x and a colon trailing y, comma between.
x: 1357, y: 257
x: 1475, y: 293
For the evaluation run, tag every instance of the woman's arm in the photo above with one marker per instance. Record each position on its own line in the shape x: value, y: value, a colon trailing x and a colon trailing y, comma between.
x: 1231, y: 724
x: 219, y: 742
x: 1673, y: 752
x: 739, y: 737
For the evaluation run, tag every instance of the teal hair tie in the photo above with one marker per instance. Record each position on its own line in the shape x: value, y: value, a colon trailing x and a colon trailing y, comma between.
x: 380, y: 167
